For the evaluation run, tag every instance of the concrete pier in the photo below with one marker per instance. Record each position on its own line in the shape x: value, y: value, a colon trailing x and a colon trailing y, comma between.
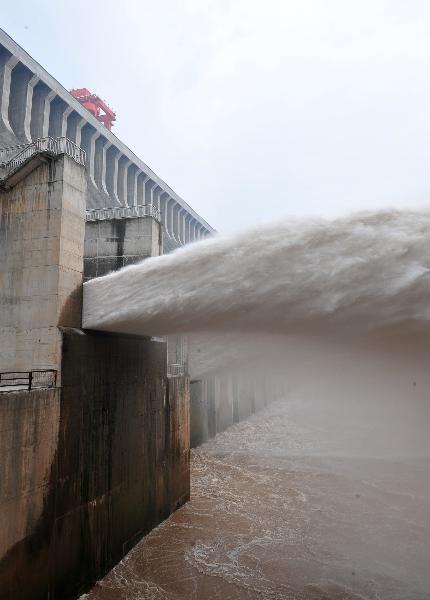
x: 42, y: 228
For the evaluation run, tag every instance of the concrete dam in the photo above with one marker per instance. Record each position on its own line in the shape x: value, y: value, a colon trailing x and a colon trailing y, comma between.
x: 95, y: 426
x: 135, y: 346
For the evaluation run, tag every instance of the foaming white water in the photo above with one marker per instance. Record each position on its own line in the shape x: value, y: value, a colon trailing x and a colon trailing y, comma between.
x: 347, y: 276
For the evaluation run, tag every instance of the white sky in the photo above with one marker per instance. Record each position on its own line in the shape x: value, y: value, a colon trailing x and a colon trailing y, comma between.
x: 254, y: 110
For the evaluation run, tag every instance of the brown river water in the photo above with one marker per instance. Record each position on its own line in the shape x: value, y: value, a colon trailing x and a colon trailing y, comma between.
x: 289, y: 504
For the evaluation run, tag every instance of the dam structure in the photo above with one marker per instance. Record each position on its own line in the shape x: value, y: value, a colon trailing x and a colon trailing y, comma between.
x: 95, y: 426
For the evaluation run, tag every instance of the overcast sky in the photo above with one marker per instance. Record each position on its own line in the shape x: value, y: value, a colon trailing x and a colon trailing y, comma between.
x: 254, y: 110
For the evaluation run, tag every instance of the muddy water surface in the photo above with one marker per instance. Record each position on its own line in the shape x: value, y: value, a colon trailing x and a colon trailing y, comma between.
x: 286, y: 506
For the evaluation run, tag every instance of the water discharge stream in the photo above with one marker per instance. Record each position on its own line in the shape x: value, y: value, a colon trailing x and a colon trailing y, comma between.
x: 325, y: 495
x: 347, y: 275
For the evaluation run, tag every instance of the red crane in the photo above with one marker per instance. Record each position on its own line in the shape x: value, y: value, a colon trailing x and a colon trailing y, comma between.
x: 96, y: 106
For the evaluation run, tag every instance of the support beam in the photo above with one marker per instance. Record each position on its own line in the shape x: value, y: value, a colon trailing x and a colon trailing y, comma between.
x: 112, y: 168
x: 155, y: 196
x: 137, y: 176
x: 65, y: 118
x: 121, y: 185
x: 164, y: 199
x: 5, y: 80
x: 142, y: 178
x: 131, y: 182
x: 99, y: 165
x: 47, y: 112
x: 103, y: 167
x: 79, y: 126
x: 187, y: 228
x: 28, y: 107
x: 91, y: 156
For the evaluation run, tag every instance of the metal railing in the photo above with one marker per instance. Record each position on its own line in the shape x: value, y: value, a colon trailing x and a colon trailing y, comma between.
x: 49, y: 145
x: 27, y: 380
x: 123, y: 212
x: 6, y: 154
x: 175, y: 370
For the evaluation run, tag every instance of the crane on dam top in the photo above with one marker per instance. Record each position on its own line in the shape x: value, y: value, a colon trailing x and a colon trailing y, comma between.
x: 96, y: 106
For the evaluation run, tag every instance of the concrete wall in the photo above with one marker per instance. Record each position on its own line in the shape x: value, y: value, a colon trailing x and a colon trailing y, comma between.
x: 42, y: 226
x: 89, y: 468
x: 112, y: 244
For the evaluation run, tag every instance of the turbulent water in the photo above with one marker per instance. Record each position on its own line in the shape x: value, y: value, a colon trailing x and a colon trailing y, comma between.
x: 283, y: 509
x: 326, y: 495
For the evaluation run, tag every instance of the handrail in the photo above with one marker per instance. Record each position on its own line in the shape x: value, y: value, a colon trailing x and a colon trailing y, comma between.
x: 123, y: 212
x: 7, y: 153
x: 175, y: 370
x: 53, y: 146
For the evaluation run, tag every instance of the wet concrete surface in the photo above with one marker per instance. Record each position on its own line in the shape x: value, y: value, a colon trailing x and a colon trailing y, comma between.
x: 289, y: 505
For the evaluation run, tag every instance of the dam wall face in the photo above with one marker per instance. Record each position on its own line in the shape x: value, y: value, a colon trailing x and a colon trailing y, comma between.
x: 219, y: 401
x: 88, y: 469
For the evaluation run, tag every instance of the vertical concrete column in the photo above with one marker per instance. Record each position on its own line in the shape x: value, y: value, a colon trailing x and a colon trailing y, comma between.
x: 121, y: 182
x: 172, y: 219
x: 128, y: 181
x: 155, y: 196
x: 137, y: 177
x: 131, y: 184
x: 103, y: 167
x: 112, y: 159
x: 78, y: 136
x: 5, y: 80
x: 47, y: 112
x: 140, y: 188
x: 99, y: 162
x: 181, y: 224
x: 164, y: 199
x: 116, y: 159
x: 65, y: 118
x: 147, y: 187
x: 29, y: 105
x: 187, y: 228
x: 91, y: 156
x: 167, y: 220
x: 194, y: 230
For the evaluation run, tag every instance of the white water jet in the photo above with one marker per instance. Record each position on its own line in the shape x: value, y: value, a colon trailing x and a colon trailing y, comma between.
x: 346, y: 276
